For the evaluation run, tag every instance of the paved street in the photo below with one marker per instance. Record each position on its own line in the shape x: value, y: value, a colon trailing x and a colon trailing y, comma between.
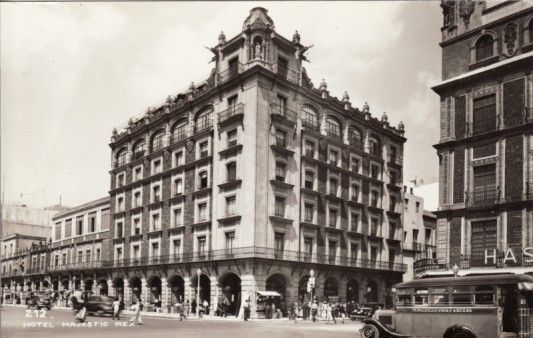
x: 15, y: 324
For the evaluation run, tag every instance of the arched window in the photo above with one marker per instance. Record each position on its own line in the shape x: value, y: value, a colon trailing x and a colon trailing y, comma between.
x: 333, y: 127
x: 157, y: 140
x: 484, y: 47
x: 310, y: 118
x: 355, y: 137
x: 138, y: 149
x: 374, y: 146
x: 179, y: 132
x: 121, y: 157
x: 203, y: 120
x: 231, y: 171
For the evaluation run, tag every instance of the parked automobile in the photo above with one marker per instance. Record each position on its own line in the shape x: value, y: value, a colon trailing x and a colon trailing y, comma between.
x: 39, y: 301
x: 99, y: 305
x: 366, y: 310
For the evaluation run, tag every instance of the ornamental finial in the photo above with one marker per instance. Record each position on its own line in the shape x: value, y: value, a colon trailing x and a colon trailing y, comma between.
x: 296, y: 37
x: 221, y: 38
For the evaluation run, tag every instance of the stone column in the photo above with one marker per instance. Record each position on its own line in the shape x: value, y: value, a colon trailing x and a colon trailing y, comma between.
x: 213, y: 302
x: 110, y: 289
x: 144, y: 291
x: 188, y: 292
x: 127, y: 294
x: 251, y: 284
x: 164, y: 295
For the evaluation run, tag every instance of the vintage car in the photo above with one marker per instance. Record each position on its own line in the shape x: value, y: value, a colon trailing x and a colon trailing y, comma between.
x: 99, y: 304
x: 366, y: 310
x: 489, y: 306
x: 39, y: 301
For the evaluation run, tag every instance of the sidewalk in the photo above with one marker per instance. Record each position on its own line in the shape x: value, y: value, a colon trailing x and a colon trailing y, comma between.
x: 190, y: 317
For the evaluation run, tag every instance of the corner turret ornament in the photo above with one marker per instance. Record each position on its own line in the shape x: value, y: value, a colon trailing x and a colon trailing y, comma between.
x: 114, y: 134
x: 510, y: 38
x: 384, y: 117
x: 130, y: 124
x: 221, y: 38
x: 190, y: 93
x: 345, y: 97
x: 401, y: 126
x: 323, y: 85
x: 466, y: 8
x: 366, y: 108
x: 296, y: 37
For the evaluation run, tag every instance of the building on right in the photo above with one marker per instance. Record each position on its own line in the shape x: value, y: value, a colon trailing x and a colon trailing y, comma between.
x: 485, y: 216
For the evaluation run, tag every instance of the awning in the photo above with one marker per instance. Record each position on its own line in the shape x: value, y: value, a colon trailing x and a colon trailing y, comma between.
x: 268, y: 294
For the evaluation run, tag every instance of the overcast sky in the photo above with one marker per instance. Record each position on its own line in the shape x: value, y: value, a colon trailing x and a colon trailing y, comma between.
x: 73, y: 71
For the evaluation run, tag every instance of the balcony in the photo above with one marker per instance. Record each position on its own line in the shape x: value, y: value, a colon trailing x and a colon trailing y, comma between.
x: 285, y: 114
x: 334, y: 135
x: 230, y: 73
x: 311, y: 124
x: 231, y: 114
x: 483, y: 196
x: 285, y: 73
x: 204, y: 123
x: 482, y: 126
x: 179, y: 133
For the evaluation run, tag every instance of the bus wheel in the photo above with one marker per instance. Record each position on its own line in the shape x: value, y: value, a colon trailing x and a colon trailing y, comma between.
x: 459, y: 331
x: 369, y: 331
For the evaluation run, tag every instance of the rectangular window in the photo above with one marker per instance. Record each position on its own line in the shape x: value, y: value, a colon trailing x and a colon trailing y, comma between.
x: 230, y: 205
x: 355, y: 165
x: 155, y: 249
x: 204, y: 151
x: 484, y: 114
x: 309, y: 180
x: 232, y: 171
x: 374, y: 224
x: 137, y: 173
x: 373, y: 253
x: 156, y: 167
x: 333, y: 186
x: 354, y: 252
x: 56, y: 260
x: 280, y: 206
x: 156, y: 225
x: 392, y: 203
x: 119, y: 253
x: 374, y: 171
x: 120, y: 180
x: 177, y: 217
x: 485, y: 190
x: 97, y: 256
x: 137, y: 199
x: 393, y: 177
x: 178, y: 186
x: 120, y: 203
x: 308, y: 246
x: 406, y: 203
x: 417, y: 206
x: 57, y: 232
x: 79, y: 225
x: 280, y: 172
x: 88, y: 255
x: 332, y: 249
x: 135, y: 252
x: 136, y: 226
x: 308, y: 212
x: 393, y: 154
x: 333, y: 218
x: 281, y: 138
x: 333, y: 157
x: 279, y: 242
x: 354, y: 222
x: 230, y: 238
x: 156, y: 194
x: 202, y: 212
x: 309, y: 149
x: 202, y: 245
x: 355, y: 193
x: 80, y: 256
x: 282, y: 67
x: 374, y: 198
x: 64, y: 259
x: 203, y: 180
x: 178, y: 158
x: 92, y: 222
x: 176, y: 247
x: 282, y: 103
x: 232, y: 138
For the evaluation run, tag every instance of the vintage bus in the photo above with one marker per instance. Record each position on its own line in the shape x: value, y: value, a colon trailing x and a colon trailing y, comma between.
x: 489, y: 306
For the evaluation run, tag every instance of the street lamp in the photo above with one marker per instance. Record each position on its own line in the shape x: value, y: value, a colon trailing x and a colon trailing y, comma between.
x: 198, y: 273
x: 312, y: 282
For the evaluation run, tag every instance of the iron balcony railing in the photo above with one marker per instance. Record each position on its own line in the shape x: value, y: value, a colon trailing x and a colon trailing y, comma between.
x: 482, y: 126
x: 483, y: 196
x: 230, y: 73
x: 230, y: 112
x: 180, y: 133
x: 285, y: 73
x: 203, y: 123
x: 310, y: 123
x: 237, y: 253
x: 277, y: 110
x: 357, y: 143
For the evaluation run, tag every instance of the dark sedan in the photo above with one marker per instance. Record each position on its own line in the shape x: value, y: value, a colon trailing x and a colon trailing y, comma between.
x: 39, y: 302
x: 99, y: 305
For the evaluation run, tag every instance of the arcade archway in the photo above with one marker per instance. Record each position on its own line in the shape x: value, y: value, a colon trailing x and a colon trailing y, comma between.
x: 352, y: 291
x: 231, y: 293
x: 177, y: 289
x: 371, y: 292
x: 331, y: 289
x: 136, y: 289
x: 154, y: 285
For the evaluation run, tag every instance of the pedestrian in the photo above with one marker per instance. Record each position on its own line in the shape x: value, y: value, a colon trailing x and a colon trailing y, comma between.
x: 136, y: 319
x: 314, y: 310
x: 206, y: 306
x: 187, y: 308
x: 179, y: 308
x: 268, y: 310
x: 116, y: 309
x: 246, y: 309
x: 294, y: 311
x: 200, y: 310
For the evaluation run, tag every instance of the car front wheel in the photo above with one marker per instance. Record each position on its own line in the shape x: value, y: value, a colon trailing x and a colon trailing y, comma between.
x: 369, y: 331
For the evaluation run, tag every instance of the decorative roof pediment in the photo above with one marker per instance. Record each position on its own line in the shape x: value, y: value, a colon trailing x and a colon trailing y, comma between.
x: 258, y: 19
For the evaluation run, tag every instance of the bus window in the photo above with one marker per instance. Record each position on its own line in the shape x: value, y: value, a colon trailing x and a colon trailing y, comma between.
x: 461, y: 295
x: 439, y: 296
x: 421, y: 296
x: 405, y: 300
x: 484, y: 295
